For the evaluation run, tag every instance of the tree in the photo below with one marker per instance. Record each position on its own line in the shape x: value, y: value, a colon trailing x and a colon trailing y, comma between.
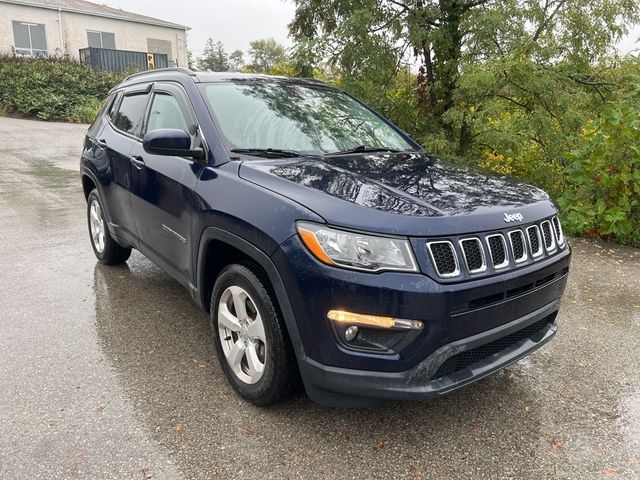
x: 472, y: 55
x: 214, y: 57
x: 265, y: 53
x: 236, y: 60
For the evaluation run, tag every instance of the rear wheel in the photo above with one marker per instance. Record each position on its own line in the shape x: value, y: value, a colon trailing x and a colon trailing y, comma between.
x: 107, y: 250
x: 250, y: 338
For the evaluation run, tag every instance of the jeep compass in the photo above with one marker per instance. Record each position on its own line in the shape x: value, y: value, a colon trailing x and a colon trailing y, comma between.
x: 325, y: 244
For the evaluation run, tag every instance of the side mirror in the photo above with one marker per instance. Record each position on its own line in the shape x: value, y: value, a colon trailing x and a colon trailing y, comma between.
x: 172, y: 142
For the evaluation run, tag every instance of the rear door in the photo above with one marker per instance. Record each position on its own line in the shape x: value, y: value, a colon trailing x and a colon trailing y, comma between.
x: 117, y: 140
x: 163, y: 186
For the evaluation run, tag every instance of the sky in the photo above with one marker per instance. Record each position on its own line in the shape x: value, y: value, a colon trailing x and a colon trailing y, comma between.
x: 233, y: 22
x: 237, y: 22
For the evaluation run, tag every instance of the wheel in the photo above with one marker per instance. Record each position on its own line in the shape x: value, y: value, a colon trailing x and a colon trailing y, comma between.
x: 104, y: 246
x: 250, y: 338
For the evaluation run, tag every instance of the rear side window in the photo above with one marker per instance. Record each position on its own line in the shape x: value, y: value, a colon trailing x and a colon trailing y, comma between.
x: 97, y: 123
x: 128, y: 118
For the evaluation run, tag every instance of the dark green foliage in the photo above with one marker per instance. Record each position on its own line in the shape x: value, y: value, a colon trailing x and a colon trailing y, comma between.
x: 52, y: 88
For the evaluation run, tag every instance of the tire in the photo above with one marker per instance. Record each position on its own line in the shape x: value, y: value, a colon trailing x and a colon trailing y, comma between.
x: 107, y: 250
x: 241, y: 338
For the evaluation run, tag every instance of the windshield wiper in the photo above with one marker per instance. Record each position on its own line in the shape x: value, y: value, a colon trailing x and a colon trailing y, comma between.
x: 268, y: 152
x: 364, y: 149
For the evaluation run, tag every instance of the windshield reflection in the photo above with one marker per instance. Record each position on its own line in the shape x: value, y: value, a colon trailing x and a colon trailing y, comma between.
x: 291, y: 116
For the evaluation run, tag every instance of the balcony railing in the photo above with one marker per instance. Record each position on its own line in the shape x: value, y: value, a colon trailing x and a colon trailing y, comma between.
x: 121, y: 60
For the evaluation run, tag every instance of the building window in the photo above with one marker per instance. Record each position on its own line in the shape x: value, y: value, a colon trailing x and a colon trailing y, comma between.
x: 102, y: 40
x: 29, y: 39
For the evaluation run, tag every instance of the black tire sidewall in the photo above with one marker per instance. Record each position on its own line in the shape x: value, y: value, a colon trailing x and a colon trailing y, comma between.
x: 270, y: 387
x: 113, y: 253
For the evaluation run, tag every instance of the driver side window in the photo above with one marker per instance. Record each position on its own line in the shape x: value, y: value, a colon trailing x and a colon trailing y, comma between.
x: 166, y: 113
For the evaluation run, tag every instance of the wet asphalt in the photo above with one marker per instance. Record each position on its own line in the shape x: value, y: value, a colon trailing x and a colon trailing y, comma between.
x: 109, y: 372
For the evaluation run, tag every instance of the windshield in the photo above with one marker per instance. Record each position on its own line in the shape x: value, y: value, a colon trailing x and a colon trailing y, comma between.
x: 298, y: 118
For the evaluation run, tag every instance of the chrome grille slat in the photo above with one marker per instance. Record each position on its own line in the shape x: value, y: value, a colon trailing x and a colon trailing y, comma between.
x: 498, y: 251
x: 444, y: 258
x: 518, y: 246
x: 557, y: 228
x: 548, y: 236
x: 473, y: 254
x: 535, y: 242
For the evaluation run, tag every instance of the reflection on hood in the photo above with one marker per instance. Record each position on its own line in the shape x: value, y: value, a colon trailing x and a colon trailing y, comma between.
x: 414, y: 184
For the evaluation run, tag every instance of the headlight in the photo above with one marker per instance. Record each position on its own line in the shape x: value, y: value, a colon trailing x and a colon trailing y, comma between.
x: 356, y: 250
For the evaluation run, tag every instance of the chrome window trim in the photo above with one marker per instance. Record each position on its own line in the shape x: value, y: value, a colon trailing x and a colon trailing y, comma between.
x: 538, y: 254
x: 504, y: 264
x: 483, y: 268
x: 553, y: 246
x: 456, y: 272
x: 525, y: 250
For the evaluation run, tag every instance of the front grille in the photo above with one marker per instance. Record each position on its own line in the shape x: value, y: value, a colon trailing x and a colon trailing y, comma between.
x: 444, y: 258
x: 547, y: 234
x: 518, y: 247
x: 487, y: 253
x: 558, y: 230
x: 467, y: 358
x: 533, y: 234
x: 498, y: 251
x: 473, y: 255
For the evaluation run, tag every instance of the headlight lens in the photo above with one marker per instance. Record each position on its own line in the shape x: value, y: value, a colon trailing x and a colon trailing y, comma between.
x: 356, y: 250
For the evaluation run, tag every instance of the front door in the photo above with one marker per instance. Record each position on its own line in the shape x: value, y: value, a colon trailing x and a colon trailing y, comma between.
x: 163, y: 197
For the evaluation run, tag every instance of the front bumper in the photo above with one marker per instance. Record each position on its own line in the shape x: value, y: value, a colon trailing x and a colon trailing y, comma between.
x: 341, y: 387
x: 457, y: 318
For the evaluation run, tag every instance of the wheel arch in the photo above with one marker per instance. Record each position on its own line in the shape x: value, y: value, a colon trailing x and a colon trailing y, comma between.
x: 238, y: 250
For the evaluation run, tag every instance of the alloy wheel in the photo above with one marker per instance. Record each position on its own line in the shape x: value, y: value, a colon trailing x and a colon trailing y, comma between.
x: 96, y: 222
x: 242, y: 334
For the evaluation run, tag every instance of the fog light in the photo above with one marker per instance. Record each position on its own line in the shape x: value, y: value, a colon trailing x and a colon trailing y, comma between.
x: 351, y: 333
x: 340, y: 316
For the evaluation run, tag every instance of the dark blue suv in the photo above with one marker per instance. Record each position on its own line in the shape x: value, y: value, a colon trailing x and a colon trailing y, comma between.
x: 323, y: 241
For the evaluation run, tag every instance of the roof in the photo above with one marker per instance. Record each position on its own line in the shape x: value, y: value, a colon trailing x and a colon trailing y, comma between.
x: 90, y: 8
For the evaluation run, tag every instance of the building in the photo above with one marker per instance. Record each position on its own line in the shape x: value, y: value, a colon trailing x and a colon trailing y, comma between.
x: 64, y: 27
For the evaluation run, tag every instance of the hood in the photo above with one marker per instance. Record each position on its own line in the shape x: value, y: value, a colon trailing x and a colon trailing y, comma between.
x: 399, y: 193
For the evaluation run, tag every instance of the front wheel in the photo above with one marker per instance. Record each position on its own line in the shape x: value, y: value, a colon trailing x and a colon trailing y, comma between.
x: 107, y: 250
x: 249, y: 337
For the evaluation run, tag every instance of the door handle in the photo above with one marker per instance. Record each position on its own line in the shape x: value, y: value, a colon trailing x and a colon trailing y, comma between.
x: 102, y: 143
x: 137, y: 161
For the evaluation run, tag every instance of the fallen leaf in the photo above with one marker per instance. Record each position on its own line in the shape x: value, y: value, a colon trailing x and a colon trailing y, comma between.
x: 178, y: 426
x: 607, y: 472
x: 345, y: 436
x: 246, y: 432
x: 414, y: 473
x: 379, y: 445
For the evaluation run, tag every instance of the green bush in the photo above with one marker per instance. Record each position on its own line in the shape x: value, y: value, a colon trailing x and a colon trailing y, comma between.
x: 602, y: 195
x: 52, y: 88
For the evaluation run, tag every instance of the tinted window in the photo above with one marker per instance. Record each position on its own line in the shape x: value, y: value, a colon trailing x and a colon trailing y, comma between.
x: 166, y: 113
x: 129, y: 116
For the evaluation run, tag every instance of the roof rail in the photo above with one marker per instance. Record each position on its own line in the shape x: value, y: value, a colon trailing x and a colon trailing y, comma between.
x: 186, y: 71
